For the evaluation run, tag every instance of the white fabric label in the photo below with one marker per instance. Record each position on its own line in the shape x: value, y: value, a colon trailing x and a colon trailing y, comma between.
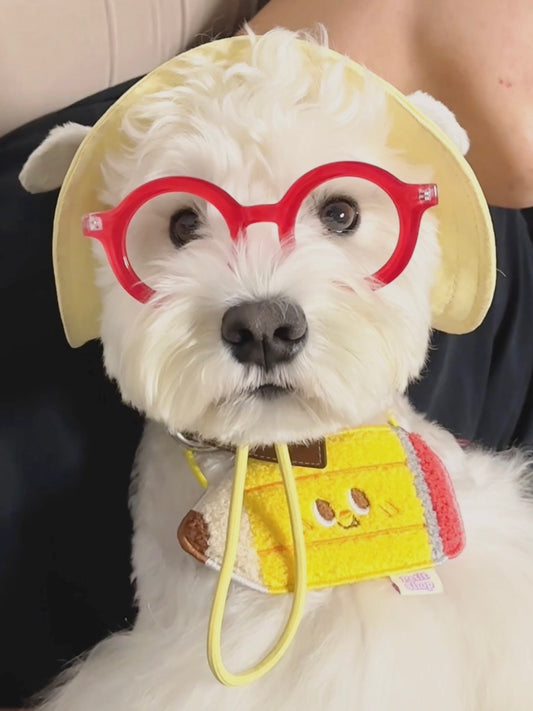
x: 424, y: 582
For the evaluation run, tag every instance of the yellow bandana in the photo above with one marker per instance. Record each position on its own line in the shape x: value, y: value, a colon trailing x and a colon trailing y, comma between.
x: 382, y: 505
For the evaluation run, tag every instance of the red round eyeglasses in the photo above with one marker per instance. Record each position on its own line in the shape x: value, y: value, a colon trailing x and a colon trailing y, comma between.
x: 411, y: 200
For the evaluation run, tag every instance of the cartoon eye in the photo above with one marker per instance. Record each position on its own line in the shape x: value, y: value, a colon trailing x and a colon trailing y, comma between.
x: 324, y: 513
x: 358, y: 501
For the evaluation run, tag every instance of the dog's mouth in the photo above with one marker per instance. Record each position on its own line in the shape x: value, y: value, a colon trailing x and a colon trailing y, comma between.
x: 270, y: 391
x: 264, y: 392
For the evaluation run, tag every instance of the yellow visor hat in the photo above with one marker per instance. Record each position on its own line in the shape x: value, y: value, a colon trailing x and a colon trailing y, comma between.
x: 465, y: 283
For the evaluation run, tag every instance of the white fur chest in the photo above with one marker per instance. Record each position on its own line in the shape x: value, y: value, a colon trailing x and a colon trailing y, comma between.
x: 363, y: 646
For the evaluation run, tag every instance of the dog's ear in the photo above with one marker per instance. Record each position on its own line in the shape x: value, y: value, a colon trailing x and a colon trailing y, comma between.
x: 443, y: 117
x: 47, y: 166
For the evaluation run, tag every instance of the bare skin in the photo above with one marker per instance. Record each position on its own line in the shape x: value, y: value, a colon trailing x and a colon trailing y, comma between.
x: 474, y: 55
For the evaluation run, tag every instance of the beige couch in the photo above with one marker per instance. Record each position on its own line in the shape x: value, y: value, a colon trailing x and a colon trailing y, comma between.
x: 54, y: 52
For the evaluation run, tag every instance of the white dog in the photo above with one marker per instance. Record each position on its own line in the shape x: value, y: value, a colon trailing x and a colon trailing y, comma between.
x: 248, y: 341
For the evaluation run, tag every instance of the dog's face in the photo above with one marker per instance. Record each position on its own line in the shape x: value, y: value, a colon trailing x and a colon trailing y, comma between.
x: 248, y: 340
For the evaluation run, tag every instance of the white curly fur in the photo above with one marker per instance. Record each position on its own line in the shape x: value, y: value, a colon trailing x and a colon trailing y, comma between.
x: 279, y: 121
x: 253, y: 129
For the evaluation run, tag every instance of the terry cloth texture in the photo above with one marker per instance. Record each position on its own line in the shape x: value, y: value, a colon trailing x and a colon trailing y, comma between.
x: 67, y: 443
x: 383, y: 505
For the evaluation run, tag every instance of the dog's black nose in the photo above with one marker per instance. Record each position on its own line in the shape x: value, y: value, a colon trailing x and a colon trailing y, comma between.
x: 264, y: 332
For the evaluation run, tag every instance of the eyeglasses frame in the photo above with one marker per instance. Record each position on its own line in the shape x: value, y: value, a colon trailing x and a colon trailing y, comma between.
x: 411, y: 200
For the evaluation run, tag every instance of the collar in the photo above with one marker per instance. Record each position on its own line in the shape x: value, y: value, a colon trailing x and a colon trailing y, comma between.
x: 304, y: 454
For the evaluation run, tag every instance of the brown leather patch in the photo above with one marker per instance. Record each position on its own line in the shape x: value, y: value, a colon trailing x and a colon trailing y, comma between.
x: 302, y: 455
x: 313, y: 455
x: 193, y: 535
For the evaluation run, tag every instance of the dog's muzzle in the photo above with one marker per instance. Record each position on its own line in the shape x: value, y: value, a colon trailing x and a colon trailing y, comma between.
x: 264, y: 333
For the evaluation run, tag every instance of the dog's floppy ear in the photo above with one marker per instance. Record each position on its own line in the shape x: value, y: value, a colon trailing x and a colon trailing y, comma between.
x: 47, y: 166
x: 443, y: 117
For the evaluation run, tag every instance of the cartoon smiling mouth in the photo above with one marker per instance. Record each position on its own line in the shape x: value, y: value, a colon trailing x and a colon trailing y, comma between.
x: 347, y: 518
x: 353, y: 523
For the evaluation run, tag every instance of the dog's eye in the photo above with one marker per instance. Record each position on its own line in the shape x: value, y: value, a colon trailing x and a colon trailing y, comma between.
x: 183, y: 226
x: 339, y: 215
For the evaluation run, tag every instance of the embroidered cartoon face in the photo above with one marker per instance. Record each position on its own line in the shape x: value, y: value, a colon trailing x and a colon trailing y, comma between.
x: 356, y: 520
x: 358, y: 505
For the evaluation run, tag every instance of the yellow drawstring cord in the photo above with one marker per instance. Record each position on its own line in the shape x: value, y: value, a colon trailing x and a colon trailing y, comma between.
x: 214, y: 653
x: 189, y: 455
x: 391, y: 420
